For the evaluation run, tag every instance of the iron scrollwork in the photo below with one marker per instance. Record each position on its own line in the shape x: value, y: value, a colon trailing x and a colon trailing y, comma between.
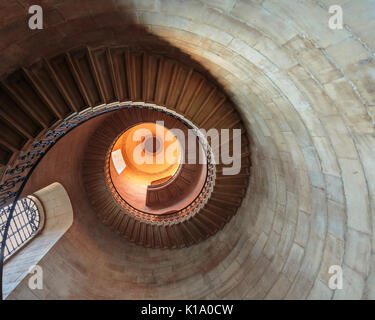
x: 17, y: 174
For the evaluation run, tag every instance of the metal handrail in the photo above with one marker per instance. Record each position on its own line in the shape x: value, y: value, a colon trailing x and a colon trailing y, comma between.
x: 15, y: 178
x: 173, y: 216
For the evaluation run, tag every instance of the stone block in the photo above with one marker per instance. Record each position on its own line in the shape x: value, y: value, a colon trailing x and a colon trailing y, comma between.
x: 308, y: 17
x: 350, y: 106
x: 358, y: 251
x: 366, y: 145
x: 348, y: 53
x: 317, y: 97
x: 293, y: 261
x: 238, y: 29
x: 274, y: 53
x: 333, y: 255
x: 279, y: 289
x: 271, y: 245
x: 303, y: 228
x: 335, y: 190
x: 304, y: 191
x: 370, y: 281
x: 320, y: 66
x: 353, y: 285
x: 320, y: 291
x: 340, y: 137
x: 327, y: 156
x: 263, y: 20
x: 336, y: 219
x: 355, y: 189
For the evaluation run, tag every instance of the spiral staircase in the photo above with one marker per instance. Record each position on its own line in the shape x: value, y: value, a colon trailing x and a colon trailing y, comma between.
x: 305, y: 95
x: 38, y: 98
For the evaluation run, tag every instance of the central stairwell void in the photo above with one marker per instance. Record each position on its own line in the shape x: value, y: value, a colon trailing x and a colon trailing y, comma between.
x: 117, y: 90
x: 164, y: 179
x: 156, y: 205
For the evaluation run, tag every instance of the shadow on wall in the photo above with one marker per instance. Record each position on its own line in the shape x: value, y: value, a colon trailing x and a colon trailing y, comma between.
x: 97, y: 26
x: 69, y: 26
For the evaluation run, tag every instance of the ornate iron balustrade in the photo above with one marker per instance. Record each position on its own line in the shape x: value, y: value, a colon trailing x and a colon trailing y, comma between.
x: 189, y: 210
x: 25, y: 224
x: 15, y: 177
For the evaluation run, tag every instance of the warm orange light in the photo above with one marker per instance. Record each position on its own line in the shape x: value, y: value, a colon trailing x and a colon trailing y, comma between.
x: 143, y: 155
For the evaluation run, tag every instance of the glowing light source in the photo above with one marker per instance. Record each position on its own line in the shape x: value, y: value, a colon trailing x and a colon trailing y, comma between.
x: 142, y: 157
x: 118, y: 161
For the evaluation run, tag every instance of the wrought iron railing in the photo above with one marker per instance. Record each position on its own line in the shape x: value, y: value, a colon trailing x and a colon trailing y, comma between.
x: 16, y: 176
x: 18, y: 173
x: 189, y: 210
x: 25, y: 224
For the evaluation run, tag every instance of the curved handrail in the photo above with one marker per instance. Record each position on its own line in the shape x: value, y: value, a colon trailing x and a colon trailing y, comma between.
x: 166, y: 185
x: 173, y: 216
x: 14, y: 179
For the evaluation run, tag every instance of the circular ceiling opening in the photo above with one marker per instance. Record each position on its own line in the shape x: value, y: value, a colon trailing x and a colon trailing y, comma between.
x: 186, y: 205
x: 143, y: 155
x: 147, y: 169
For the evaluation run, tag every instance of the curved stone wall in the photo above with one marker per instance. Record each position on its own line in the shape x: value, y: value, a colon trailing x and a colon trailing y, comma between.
x: 307, y: 96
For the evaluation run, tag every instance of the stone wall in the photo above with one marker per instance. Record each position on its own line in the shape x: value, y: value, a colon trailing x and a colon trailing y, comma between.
x: 307, y: 95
